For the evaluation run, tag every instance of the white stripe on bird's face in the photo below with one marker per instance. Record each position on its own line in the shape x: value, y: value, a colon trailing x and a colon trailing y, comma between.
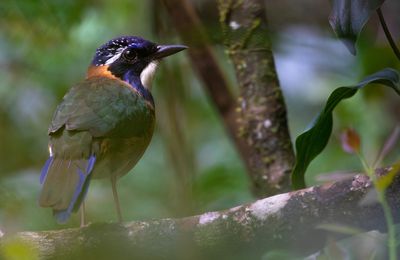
x: 146, y: 76
x: 116, y: 56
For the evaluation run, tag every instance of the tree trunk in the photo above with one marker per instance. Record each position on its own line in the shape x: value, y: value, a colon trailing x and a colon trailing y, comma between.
x: 262, y: 111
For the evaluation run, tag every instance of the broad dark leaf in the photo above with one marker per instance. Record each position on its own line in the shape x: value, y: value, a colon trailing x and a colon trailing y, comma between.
x: 348, y: 17
x: 313, y: 141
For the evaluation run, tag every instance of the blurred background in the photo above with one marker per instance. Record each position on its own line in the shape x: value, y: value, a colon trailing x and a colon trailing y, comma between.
x: 191, y: 165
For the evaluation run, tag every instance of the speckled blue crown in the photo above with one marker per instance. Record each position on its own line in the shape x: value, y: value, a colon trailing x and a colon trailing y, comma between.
x: 117, y: 45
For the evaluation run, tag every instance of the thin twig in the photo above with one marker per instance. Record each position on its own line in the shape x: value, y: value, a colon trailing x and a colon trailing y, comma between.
x: 387, y: 33
x: 389, y: 145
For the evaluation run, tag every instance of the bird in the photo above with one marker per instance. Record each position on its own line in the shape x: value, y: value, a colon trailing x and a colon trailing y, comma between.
x: 103, y: 125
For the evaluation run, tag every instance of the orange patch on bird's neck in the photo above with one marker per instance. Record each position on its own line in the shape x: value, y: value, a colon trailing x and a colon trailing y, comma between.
x: 100, y: 71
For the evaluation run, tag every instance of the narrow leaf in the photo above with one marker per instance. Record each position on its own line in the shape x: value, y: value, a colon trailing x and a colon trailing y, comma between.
x: 348, y: 18
x: 312, y: 142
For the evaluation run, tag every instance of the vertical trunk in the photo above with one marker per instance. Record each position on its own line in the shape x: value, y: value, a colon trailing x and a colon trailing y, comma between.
x: 262, y: 111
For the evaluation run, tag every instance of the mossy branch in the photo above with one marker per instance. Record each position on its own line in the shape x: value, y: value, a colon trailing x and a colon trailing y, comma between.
x: 290, y: 221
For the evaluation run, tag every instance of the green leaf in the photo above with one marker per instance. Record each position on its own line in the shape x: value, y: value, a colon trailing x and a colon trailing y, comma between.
x: 313, y: 141
x: 383, y: 182
x: 348, y: 18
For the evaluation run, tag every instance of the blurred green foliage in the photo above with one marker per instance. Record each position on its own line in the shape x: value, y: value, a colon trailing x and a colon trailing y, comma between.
x: 190, y: 166
x: 16, y: 249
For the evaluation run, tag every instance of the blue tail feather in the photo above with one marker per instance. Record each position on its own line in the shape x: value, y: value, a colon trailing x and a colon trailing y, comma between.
x: 89, y: 169
x: 45, y: 169
x: 62, y: 216
x: 91, y: 162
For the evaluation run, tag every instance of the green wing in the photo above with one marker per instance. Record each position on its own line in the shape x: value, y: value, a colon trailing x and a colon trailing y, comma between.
x: 95, y: 111
x: 103, y: 107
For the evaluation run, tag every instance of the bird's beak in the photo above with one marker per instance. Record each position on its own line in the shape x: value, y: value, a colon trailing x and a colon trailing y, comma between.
x: 167, y: 50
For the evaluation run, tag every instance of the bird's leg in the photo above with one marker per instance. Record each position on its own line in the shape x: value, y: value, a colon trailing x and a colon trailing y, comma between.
x: 83, y: 214
x: 116, y: 199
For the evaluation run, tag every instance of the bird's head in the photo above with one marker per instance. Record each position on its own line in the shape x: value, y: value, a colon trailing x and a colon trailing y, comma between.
x: 130, y: 58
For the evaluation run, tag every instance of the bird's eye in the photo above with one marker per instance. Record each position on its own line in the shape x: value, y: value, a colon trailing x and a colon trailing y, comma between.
x: 129, y: 55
